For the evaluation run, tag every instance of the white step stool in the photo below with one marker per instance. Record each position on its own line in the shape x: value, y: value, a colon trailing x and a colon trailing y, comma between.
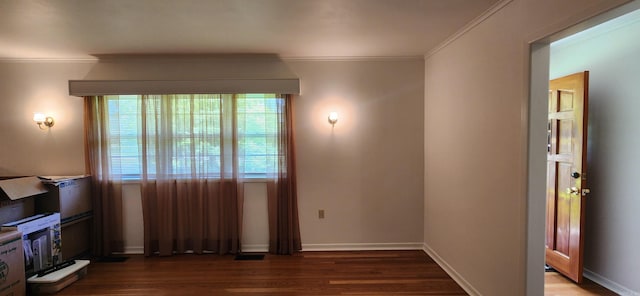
x: 57, y: 280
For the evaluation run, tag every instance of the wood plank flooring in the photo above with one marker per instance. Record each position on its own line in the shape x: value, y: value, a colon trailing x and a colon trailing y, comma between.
x: 557, y: 285
x: 307, y: 273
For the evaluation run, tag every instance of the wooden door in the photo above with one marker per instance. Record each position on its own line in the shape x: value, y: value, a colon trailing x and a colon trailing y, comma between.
x: 567, y: 173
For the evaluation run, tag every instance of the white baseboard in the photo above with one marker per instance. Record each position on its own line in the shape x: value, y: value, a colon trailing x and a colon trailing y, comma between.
x: 362, y: 247
x: 133, y: 250
x: 609, y: 284
x: 137, y: 250
x: 452, y: 272
x: 255, y: 248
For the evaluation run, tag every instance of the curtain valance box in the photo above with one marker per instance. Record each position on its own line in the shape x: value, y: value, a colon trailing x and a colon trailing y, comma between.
x: 212, y: 86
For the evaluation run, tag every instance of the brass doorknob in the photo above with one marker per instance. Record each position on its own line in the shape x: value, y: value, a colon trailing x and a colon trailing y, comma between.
x: 576, y: 191
x: 573, y: 190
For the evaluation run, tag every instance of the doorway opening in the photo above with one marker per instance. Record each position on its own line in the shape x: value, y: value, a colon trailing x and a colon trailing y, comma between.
x: 546, y: 65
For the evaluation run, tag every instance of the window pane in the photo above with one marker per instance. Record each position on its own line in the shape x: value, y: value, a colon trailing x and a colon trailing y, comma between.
x: 192, y: 131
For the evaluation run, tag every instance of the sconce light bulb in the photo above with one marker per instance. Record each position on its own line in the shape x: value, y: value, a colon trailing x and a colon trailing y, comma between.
x: 41, y: 120
x: 333, y: 118
x: 38, y: 117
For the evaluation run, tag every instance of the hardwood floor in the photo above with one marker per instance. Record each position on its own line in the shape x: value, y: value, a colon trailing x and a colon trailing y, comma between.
x: 557, y: 285
x: 307, y: 273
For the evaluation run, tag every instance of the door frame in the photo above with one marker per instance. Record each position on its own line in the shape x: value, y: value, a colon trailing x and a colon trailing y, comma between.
x: 536, y: 115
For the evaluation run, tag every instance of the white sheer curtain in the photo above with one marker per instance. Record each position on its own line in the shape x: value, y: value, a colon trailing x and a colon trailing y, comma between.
x: 191, y: 180
x: 282, y: 192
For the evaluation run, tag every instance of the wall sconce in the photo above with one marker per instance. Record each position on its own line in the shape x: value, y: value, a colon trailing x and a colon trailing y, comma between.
x: 333, y: 118
x: 41, y: 119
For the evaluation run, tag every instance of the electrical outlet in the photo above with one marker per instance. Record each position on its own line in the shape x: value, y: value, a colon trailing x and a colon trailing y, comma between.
x: 320, y: 214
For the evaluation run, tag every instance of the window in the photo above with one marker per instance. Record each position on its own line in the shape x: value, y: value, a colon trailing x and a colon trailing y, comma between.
x: 205, y: 135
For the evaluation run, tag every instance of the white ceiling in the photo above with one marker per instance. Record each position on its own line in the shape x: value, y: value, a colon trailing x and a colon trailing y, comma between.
x: 78, y: 29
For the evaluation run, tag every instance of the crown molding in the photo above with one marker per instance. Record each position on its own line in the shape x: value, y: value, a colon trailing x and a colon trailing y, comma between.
x: 607, y: 27
x: 283, y: 58
x: 469, y: 26
x: 48, y: 60
x: 352, y: 58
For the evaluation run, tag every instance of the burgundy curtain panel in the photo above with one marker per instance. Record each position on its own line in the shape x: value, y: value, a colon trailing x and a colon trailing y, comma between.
x: 106, y: 191
x: 284, y: 229
x: 191, y: 215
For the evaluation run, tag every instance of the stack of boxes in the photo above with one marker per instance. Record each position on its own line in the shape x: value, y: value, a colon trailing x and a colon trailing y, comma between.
x: 34, y: 218
x: 15, y: 204
x: 71, y: 198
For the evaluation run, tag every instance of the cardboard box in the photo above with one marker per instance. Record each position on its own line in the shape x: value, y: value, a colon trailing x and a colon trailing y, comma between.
x: 12, y: 279
x: 77, y: 238
x: 41, y: 240
x: 14, y: 204
x: 69, y: 196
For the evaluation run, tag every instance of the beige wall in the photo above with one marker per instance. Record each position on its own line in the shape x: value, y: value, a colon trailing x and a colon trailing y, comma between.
x: 26, y: 88
x: 366, y: 172
x: 476, y: 97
